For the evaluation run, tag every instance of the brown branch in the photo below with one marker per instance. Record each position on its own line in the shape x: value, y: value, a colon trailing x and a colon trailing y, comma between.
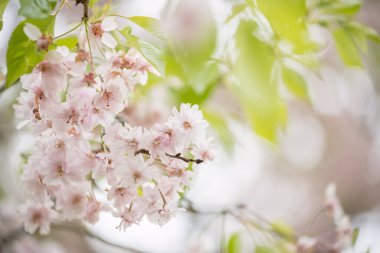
x: 176, y: 156
x: 85, y: 8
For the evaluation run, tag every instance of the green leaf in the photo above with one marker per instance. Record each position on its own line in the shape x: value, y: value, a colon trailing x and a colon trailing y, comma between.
x: 234, y: 244
x: 36, y: 9
x: 151, y: 25
x: 3, y: 5
x: 22, y: 54
x: 154, y: 55
x: 201, y: 79
x: 295, y: 83
x: 236, y: 10
x: 256, y: 90
x: 283, y: 230
x: 151, y: 53
x: 262, y: 249
x: 92, y: 3
x: 288, y: 20
x: 219, y: 124
x: 368, y: 32
x: 348, y: 8
x: 355, y: 236
x: 69, y: 42
x: 346, y: 47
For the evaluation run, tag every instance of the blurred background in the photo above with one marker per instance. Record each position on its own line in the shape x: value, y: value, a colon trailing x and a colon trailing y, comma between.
x: 333, y: 136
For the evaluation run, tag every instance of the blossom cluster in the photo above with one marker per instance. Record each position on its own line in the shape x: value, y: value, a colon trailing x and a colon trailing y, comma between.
x: 343, y: 226
x: 71, y: 101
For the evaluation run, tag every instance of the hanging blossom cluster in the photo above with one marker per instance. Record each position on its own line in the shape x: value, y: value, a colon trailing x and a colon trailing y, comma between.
x: 72, y: 102
x: 344, y: 231
x: 343, y: 226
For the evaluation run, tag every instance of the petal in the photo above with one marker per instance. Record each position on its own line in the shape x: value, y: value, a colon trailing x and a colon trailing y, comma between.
x: 109, y: 24
x: 32, y: 31
x: 22, y: 124
x: 108, y: 40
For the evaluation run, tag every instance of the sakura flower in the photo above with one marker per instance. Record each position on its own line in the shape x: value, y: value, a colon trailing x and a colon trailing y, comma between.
x: 305, y: 244
x: 332, y: 202
x: 38, y: 216
x: 99, y: 32
x: 57, y: 172
x: 33, y: 33
x: 137, y: 171
x: 72, y: 201
x: 151, y: 200
x: 113, y: 96
x: 129, y: 216
x: 189, y: 121
x: 92, y: 210
x: 32, y: 181
x: 203, y: 150
x: 121, y: 195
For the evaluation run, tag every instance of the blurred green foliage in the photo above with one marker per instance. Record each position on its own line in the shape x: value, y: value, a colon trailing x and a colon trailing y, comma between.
x: 269, y: 34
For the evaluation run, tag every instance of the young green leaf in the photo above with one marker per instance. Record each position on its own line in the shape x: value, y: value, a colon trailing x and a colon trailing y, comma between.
x: 236, y: 10
x: 283, y: 230
x: 295, y: 83
x: 154, y: 55
x: 355, y: 236
x: 262, y: 249
x: 288, y: 20
x: 3, y: 5
x: 234, y: 244
x: 22, y: 54
x: 151, y: 25
x: 255, y: 89
x: 69, y: 42
x: 348, y: 8
x: 36, y: 9
x: 346, y: 47
x: 219, y: 124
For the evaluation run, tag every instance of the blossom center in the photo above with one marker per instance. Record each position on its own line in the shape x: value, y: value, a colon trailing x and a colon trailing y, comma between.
x: 97, y: 30
x: 187, y: 125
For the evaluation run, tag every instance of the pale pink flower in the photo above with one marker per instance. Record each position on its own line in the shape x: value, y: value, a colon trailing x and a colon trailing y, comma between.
x: 332, y: 202
x: 57, y: 172
x: 204, y: 150
x: 113, y: 96
x: 137, y: 171
x: 33, y: 33
x: 99, y: 33
x: 72, y: 201
x: 129, y: 216
x: 189, y: 121
x: 31, y: 180
x: 38, y: 216
x: 121, y: 195
x: 92, y: 210
x: 305, y: 244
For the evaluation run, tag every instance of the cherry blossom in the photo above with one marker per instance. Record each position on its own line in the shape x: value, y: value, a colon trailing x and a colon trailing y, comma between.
x: 72, y: 103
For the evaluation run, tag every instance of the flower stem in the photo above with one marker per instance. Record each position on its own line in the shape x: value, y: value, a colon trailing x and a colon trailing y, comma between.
x: 60, y: 7
x: 74, y: 28
x: 89, y: 45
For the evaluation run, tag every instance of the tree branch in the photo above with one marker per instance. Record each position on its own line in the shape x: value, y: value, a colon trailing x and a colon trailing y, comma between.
x: 176, y: 156
x: 85, y: 8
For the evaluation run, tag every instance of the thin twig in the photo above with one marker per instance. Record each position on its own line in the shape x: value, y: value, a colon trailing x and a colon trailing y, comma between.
x: 176, y: 156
